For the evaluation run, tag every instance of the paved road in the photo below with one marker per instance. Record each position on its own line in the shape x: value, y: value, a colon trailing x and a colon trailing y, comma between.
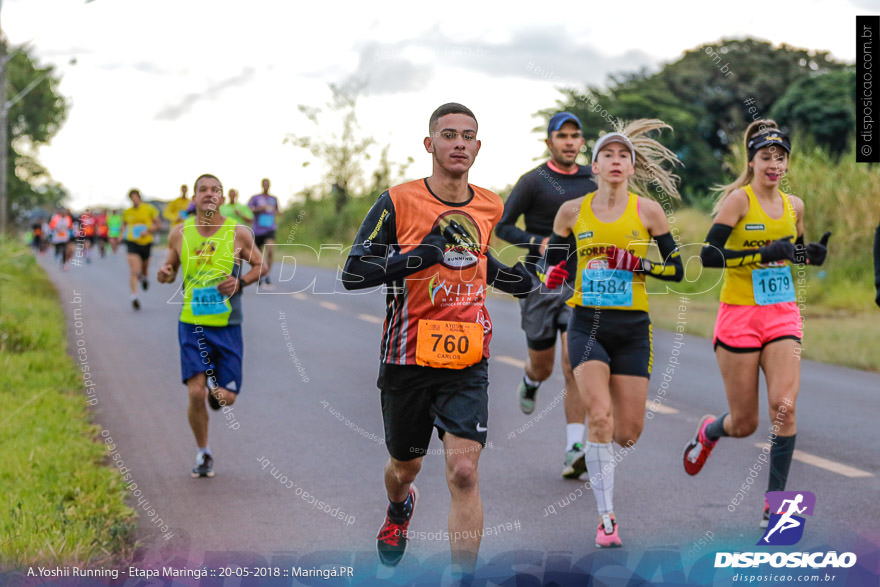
x: 308, y: 423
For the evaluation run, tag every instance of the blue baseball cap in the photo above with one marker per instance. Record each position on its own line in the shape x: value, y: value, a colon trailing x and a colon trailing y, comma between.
x: 561, y: 118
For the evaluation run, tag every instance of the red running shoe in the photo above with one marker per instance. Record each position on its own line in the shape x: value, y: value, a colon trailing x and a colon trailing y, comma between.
x: 391, y: 541
x: 699, y: 448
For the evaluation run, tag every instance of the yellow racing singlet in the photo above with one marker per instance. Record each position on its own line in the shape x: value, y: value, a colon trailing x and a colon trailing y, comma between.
x: 206, y: 261
x: 767, y: 283
x: 138, y: 222
x: 595, y: 284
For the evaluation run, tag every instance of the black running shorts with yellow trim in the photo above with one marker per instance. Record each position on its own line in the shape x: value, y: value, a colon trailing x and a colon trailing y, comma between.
x: 416, y: 399
x: 623, y: 339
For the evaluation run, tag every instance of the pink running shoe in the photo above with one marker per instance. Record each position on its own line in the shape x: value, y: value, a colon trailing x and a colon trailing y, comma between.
x: 606, y: 534
x: 699, y: 448
x: 765, y: 519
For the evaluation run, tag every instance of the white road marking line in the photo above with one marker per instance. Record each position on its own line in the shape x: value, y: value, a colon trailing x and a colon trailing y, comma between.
x: 371, y: 318
x: 329, y: 305
x: 655, y: 406
x: 823, y: 463
x: 510, y: 361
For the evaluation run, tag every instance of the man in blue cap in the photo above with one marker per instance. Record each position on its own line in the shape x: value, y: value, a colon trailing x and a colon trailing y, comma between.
x: 537, y: 196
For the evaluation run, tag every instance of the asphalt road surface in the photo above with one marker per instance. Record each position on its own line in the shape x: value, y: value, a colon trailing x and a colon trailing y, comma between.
x: 305, y: 438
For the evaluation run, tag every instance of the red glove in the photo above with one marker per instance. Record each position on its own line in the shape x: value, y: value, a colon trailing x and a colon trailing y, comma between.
x: 556, y: 275
x: 622, y: 259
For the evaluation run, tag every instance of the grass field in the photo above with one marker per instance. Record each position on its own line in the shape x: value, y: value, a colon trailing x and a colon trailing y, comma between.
x: 59, y: 503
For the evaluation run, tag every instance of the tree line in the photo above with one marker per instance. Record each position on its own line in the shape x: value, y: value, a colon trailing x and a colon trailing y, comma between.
x: 713, y: 92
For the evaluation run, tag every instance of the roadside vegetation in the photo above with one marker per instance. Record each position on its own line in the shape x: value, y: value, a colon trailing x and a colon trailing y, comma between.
x: 59, y: 501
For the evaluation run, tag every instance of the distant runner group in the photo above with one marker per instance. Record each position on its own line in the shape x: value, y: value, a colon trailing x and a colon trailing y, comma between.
x: 587, y: 232
x: 75, y: 236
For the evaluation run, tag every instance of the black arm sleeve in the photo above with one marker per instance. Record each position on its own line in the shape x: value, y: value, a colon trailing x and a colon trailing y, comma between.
x: 671, y: 268
x: 514, y: 280
x: 877, y: 260
x: 516, y: 205
x: 375, y: 257
x: 559, y: 248
x: 370, y: 271
x: 715, y: 255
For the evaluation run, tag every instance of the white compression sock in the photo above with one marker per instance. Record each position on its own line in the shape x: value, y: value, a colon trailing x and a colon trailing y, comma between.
x: 600, y: 464
x: 574, y: 433
x: 530, y: 382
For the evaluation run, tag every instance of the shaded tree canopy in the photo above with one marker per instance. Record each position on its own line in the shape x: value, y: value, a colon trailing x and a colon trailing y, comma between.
x: 710, y: 95
x: 33, y: 119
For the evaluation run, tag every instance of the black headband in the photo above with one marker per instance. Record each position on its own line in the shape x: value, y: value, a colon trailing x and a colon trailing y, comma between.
x: 769, y: 137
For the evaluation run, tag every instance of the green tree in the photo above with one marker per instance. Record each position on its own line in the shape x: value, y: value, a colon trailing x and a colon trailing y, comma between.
x: 706, y: 96
x: 32, y: 121
x: 822, y: 106
x: 343, y: 151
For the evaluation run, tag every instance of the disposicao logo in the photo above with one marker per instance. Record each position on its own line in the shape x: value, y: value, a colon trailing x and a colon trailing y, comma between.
x: 786, y: 526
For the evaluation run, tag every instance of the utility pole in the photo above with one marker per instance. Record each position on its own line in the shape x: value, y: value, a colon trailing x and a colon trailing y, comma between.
x: 4, y: 130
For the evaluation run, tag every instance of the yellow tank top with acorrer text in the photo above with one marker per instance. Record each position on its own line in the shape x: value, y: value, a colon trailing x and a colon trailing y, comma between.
x: 755, y: 230
x: 595, y: 284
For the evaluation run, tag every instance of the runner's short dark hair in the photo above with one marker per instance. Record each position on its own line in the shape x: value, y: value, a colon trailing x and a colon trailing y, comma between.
x: 203, y: 176
x: 448, y: 108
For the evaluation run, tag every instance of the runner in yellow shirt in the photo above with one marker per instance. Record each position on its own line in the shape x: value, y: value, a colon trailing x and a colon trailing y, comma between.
x: 139, y: 224
x: 604, y: 236
x: 757, y: 234
x: 174, y: 211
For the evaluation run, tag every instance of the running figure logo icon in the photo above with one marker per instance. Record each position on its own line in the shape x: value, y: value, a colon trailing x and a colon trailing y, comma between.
x: 786, y: 526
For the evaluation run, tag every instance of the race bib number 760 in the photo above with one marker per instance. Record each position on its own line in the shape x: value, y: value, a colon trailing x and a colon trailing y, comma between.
x: 449, y: 345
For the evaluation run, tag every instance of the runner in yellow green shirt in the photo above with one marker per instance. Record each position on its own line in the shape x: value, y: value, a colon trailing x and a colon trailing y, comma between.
x: 209, y: 249
x: 114, y: 229
x: 239, y: 212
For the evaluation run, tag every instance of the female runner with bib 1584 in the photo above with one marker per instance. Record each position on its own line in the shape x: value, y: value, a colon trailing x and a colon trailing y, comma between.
x: 758, y: 233
x: 609, y: 332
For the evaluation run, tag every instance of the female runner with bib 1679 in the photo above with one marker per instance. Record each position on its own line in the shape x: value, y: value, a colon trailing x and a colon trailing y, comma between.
x: 758, y: 233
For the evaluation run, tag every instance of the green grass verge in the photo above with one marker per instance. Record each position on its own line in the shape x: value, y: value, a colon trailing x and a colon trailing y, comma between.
x: 59, y: 503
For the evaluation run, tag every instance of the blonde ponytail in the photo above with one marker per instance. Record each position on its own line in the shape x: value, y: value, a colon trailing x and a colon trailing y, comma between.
x: 650, y: 157
x: 745, y: 178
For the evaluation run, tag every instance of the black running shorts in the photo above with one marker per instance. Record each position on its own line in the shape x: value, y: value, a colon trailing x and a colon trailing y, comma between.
x: 621, y: 338
x: 142, y: 251
x: 417, y: 399
x: 260, y: 239
x: 544, y: 313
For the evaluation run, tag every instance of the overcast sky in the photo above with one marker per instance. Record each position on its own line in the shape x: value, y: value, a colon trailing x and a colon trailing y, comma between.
x: 164, y: 90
